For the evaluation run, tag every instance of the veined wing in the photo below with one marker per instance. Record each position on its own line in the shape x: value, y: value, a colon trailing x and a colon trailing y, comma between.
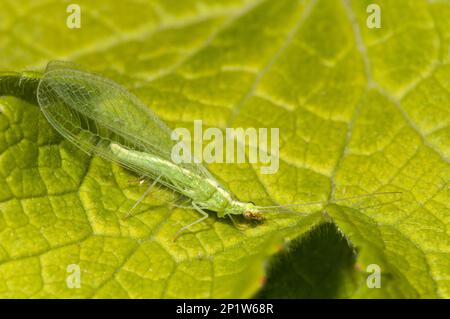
x: 93, y: 112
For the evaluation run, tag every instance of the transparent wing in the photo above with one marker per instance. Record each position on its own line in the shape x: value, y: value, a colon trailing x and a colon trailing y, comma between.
x: 93, y: 112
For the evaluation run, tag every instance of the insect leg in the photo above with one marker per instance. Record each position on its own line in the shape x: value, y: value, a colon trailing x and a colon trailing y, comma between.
x: 182, y: 204
x: 198, y: 209
x: 238, y: 226
x: 141, y: 198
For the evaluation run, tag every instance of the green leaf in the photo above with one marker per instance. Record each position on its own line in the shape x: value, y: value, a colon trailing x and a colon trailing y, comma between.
x: 359, y: 110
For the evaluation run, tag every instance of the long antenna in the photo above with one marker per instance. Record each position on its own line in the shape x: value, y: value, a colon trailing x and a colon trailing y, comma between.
x: 329, y: 202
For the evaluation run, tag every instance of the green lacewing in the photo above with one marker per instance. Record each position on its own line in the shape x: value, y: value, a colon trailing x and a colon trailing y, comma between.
x: 103, y: 118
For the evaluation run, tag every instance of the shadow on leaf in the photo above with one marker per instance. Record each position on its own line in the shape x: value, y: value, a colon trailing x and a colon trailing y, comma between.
x: 320, y: 265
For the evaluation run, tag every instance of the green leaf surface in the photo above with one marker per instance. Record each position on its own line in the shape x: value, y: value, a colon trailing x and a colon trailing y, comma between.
x: 359, y: 110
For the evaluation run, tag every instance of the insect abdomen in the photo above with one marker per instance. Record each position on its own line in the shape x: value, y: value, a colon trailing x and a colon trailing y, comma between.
x: 175, y: 176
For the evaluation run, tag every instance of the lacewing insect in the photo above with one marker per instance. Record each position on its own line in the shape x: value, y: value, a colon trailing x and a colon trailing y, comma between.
x: 103, y: 118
